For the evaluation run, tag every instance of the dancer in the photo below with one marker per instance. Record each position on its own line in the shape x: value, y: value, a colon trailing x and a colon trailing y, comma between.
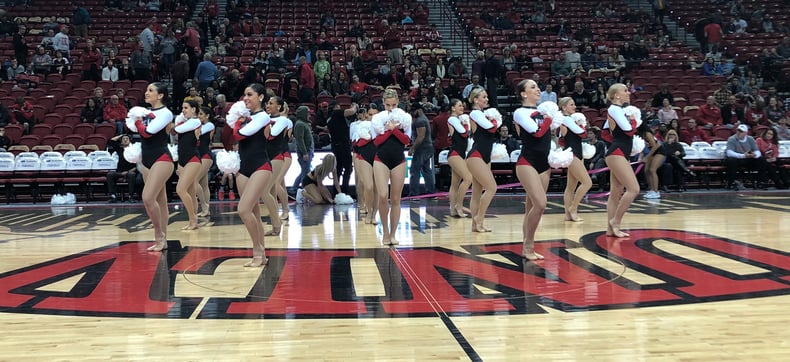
x: 313, y: 183
x: 255, y: 172
x: 365, y: 149
x: 623, y: 186
x: 391, y: 133
x: 277, y: 147
x: 532, y: 167
x: 204, y: 148
x: 157, y: 161
x: 479, y: 159
x: 573, y: 133
x: 461, y: 178
x: 188, y: 128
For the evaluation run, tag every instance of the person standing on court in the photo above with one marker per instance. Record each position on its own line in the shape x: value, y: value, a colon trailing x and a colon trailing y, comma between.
x: 421, y: 151
x: 572, y: 132
x: 303, y: 136
x: 478, y: 159
x: 339, y: 133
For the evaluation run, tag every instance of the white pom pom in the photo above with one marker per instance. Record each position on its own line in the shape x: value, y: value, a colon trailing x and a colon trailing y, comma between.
x: 57, y: 199
x: 378, y: 122
x: 299, y: 196
x: 343, y: 199
x: 363, y: 130
x: 469, y: 144
x: 638, y: 146
x: 180, y: 119
x: 464, y: 118
x: 352, y: 131
x: 553, y: 145
x: 493, y: 113
x: 236, y: 111
x: 635, y: 113
x: 173, y: 152
x: 548, y: 108
x: 133, y: 115
x: 556, y: 118
x: 133, y: 153
x: 499, y: 152
x: 588, y: 151
x: 228, y: 161
x: 560, y: 158
x: 401, y: 118
x: 580, y: 119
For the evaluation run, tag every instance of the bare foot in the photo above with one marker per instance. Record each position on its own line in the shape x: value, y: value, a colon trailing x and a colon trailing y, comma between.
x: 479, y: 228
x: 460, y: 212
x: 530, y: 254
x: 257, y: 261
x: 190, y: 227
x: 158, y: 246
x: 614, y: 230
x: 203, y: 213
x: 272, y: 232
x: 284, y: 215
x: 573, y: 217
x: 392, y: 241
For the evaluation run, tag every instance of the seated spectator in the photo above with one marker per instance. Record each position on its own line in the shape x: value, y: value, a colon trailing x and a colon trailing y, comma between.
x: 783, y: 49
x: 666, y: 112
x: 755, y: 115
x: 5, y: 142
x: 505, y: 138
x: 742, y: 152
x: 694, y: 133
x: 109, y: 72
x: 548, y: 94
x: 709, y: 114
x: 769, y: 147
x: 5, y: 116
x: 774, y: 111
x: 46, y: 41
x: 22, y: 113
x: 658, y: 98
x: 581, y: 96
x: 115, y: 112
x: 783, y: 129
x: 125, y: 170
x: 14, y: 69
x: 42, y: 62
x: 91, y: 113
x: 560, y: 67
x: 60, y: 64
x: 108, y: 47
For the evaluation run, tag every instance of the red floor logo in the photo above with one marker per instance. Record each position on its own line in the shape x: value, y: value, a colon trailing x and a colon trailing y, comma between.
x: 124, y: 280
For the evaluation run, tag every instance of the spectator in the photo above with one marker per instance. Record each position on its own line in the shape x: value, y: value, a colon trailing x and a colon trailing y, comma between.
x: 205, y: 73
x: 548, y: 94
x: 783, y: 129
x: 80, y: 19
x: 20, y: 45
x: 755, y: 115
x: 421, y: 151
x: 141, y: 63
x: 303, y: 137
x: 91, y: 113
x: 5, y: 116
x: 124, y: 170
x: 560, y: 67
x: 742, y: 152
x: 5, y: 142
x: 14, y: 69
x: 505, y: 138
x: 666, y: 113
x: 62, y: 42
x: 458, y: 69
x: 664, y: 93
x: 338, y: 127
x: 91, y: 60
x: 307, y: 83
x: 769, y: 147
x: 60, y: 64
x: 694, y: 133
x: 709, y: 114
x: 22, y: 113
x: 108, y: 47
x: 115, y: 112
x: 783, y: 49
x: 493, y: 70
x: 392, y: 42
x: 469, y: 87
x: 110, y: 72
x: 581, y: 96
x: 41, y: 63
x: 713, y: 35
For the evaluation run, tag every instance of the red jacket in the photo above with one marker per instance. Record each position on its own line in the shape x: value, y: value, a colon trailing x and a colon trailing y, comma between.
x: 709, y: 115
x: 115, y: 112
x: 306, y: 77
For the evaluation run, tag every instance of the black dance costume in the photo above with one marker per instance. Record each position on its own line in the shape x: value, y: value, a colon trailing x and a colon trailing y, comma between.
x: 390, y: 145
x: 622, y: 141
x: 204, y: 142
x: 187, y: 142
x: 308, y: 180
x: 573, y: 139
x: 252, y: 148
x: 535, y: 146
x: 459, y: 140
x: 277, y: 145
x: 153, y: 130
x: 483, y: 137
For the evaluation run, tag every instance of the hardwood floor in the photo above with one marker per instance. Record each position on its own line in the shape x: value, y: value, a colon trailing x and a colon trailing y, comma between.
x: 704, y: 276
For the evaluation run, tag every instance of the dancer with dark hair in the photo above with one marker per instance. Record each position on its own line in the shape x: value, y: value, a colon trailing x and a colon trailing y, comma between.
x: 579, y: 181
x: 204, y: 149
x: 255, y: 172
x: 277, y: 147
x: 532, y: 167
x: 188, y: 129
x: 157, y: 161
x: 461, y: 178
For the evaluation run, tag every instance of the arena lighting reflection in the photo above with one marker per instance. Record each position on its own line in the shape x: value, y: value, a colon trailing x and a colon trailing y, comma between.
x: 294, y: 170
